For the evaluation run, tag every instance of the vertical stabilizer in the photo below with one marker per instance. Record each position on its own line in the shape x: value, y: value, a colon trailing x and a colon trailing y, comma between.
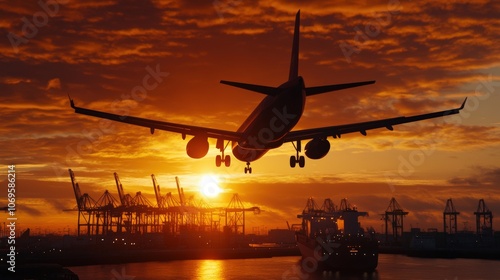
x: 294, y: 63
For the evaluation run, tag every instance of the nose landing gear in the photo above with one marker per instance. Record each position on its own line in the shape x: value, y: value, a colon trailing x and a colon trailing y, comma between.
x: 248, y: 169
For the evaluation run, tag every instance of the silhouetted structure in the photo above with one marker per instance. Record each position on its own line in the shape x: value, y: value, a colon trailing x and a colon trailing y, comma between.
x: 450, y: 218
x: 171, y: 216
x: 86, y: 208
x: 344, y: 205
x: 328, y: 206
x: 484, y: 219
x: 394, y: 215
x: 335, y: 247
x: 310, y: 206
x: 235, y: 215
x: 106, y: 216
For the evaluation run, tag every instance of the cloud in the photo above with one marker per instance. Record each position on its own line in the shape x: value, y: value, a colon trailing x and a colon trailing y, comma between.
x: 248, y: 31
x: 14, y: 81
x: 54, y: 84
x: 481, y: 176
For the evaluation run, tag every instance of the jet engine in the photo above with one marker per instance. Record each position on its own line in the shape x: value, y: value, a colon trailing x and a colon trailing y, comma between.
x: 197, y: 147
x: 317, y: 148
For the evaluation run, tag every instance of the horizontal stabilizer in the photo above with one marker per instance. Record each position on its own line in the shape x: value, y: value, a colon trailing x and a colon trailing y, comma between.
x: 328, y: 88
x: 257, y: 88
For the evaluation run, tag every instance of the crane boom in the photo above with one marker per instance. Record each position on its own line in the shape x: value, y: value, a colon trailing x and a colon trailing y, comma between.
x: 76, y: 188
x: 156, y: 186
x: 119, y: 186
x: 180, y: 191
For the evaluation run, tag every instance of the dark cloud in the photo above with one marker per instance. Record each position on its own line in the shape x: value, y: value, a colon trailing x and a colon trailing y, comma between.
x: 33, y: 211
x: 482, y: 176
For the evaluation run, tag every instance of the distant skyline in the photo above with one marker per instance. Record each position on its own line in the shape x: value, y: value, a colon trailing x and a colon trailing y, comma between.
x: 425, y: 56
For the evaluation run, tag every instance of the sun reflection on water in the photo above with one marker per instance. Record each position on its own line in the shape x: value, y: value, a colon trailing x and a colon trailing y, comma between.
x: 210, y: 269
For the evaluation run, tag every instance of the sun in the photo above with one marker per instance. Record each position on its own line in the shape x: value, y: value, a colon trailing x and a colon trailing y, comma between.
x: 209, y: 186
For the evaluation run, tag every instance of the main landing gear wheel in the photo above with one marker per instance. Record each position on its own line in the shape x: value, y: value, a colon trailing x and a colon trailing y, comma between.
x: 219, y: 159
x: 301, y: 161
x: 297, y: 159
x: 248, y: 169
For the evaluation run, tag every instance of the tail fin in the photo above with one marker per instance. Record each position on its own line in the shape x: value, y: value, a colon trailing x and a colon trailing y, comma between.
x: 294, y: 66
x: 294, y: 63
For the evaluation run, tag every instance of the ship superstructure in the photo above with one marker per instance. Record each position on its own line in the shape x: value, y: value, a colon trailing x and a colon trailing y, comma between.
x: 334, y: 239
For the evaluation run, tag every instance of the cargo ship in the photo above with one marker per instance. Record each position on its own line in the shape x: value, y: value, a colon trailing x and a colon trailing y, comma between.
x: 332, y: 239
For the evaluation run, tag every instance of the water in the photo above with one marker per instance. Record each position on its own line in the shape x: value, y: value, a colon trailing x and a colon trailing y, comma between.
x: 287, y: 268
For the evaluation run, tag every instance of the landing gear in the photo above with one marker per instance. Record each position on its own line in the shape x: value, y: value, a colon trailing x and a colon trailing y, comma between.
x: 301, y: 161
x: 297, y: 159
x: 219, y: 159
x: 248, y: 169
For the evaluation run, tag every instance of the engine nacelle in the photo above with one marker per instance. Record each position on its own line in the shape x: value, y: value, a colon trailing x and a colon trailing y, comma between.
x: 317, y: 148
x: 197, y: 147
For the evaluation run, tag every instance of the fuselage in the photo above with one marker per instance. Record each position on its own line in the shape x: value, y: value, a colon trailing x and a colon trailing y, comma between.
x: 274, y: 118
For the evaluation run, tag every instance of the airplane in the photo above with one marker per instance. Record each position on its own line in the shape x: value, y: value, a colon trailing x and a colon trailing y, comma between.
x: 270, y: 125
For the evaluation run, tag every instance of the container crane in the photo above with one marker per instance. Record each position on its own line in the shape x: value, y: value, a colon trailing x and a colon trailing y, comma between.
x: 394, y: 215
x: 484, y: 219
x: 160, y: 201
x: 125, y: 199
x: 235, y: 214
x: 450, y: 218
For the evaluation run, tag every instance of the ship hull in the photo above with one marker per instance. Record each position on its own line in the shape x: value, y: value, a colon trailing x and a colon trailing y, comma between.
x: 338, y: 254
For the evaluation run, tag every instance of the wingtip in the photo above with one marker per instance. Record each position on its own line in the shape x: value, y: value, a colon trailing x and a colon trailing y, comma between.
x: 71, y: 102
x: 463, y: 104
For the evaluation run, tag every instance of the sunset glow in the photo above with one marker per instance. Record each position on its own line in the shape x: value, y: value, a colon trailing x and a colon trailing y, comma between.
x: 209, y: 186
x: 163, y: 60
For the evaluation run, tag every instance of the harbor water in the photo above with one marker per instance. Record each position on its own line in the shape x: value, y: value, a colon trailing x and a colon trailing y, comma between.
x: 395, y: 267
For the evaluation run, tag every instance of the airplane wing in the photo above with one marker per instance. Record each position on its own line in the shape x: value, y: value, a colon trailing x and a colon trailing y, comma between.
x: 338, y: 130
x: 161, y: 125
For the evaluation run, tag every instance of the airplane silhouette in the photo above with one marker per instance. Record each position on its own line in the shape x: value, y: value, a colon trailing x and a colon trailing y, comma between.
x: 271, y: 123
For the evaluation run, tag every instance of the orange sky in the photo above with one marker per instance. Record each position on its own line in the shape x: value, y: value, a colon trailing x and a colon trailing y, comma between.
x: 425, y: 56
